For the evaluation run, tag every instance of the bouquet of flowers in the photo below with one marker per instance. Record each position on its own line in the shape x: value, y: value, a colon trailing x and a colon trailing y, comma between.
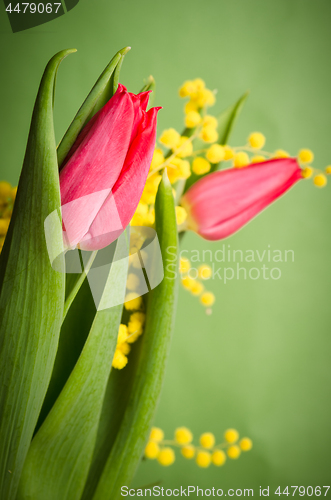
x: 89, y: 270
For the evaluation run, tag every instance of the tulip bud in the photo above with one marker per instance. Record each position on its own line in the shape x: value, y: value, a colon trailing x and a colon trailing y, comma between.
x: 221, y: 203
x: 105, y: 171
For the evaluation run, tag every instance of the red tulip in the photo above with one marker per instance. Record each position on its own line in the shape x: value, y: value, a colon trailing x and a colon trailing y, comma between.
x: 106, y: 170
x: 221, y: 203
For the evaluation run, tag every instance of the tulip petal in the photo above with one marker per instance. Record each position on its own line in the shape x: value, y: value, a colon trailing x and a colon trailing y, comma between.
x: 222, y: 202
x: 96, y: 163
x: 126, y: 193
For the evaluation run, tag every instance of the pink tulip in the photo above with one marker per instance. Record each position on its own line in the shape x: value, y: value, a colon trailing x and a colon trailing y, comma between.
x: 221, y: 203
x: 105, y: 171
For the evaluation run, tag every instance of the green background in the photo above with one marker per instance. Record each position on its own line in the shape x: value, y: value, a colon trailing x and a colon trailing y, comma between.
x: 260, y: 362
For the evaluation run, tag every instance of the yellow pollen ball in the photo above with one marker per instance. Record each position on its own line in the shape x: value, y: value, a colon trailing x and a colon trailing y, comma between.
x: 320, y: 180
x: 192, y: 119
x: 200, y: 165
x: 170, y: 138
x: 184, y: 265
x: 187, y: 89
x: 197, y: 288
x: 125, y: 348
x: 306, y: 156
x: 190, y: 106
x: 207, y: 299
x: 241, y: 159
x: 206, y: 98
x: 210, y: 120
x: 132, y: 282
x: 183, y: 435
x: 135, y: 326
x: 152, y: 450
x: 280, y: 153
x: 199, y: 84
x: 228, y: 153
x: 258, y: 159
x: 209, y: 134
x: 234, y: 451
x: 166, y: 457
x: 157, y: 159
x: 307, y: 172
x: 204, y: 271
x: 119, y: 360
x: 188, y: 451
x: 184, y: 147
x: 132, y: 301
x: 215, y: 153
x: 256, y: 140
x: 328, y: 170
x: 207, y: 440
x: 231, y: 435
x: 176, y: 170
x: 181, y: 215
x: 4, y: 224
x: 203, y: 459
x: 188, y: 282
x: 246, y: 444
x: 5, y: 190
x: 218, y: 458
x: 122, y: 334
x: 156, y: 434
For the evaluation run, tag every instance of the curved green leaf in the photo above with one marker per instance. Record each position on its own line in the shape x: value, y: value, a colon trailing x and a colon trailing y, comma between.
x: 31, y: 292
x: 129, y: 445
x: 102, y: 91
x: 60, y: 454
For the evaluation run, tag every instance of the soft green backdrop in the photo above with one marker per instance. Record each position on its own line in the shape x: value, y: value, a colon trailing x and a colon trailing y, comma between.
x: 260, y: 362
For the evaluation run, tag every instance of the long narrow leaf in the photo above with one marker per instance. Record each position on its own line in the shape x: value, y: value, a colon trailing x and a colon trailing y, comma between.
x: 140, y: 411
x: 31, y: 292
x: 89, y: 106
x: 60, y: 454
x: 111, y: 85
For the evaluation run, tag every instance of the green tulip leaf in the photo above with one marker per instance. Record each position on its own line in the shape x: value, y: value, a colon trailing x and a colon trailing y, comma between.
x: 61, y: 452
x: 138, y: 417
x: 102, y: 91
x: 31, y: 292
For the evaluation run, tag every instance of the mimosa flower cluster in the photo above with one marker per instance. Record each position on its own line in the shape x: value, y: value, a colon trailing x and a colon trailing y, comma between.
x: 197, y: 151
x: 7, y: 198
x: 207, y: 452
x: 130, y: 332
x: 195, y: 283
